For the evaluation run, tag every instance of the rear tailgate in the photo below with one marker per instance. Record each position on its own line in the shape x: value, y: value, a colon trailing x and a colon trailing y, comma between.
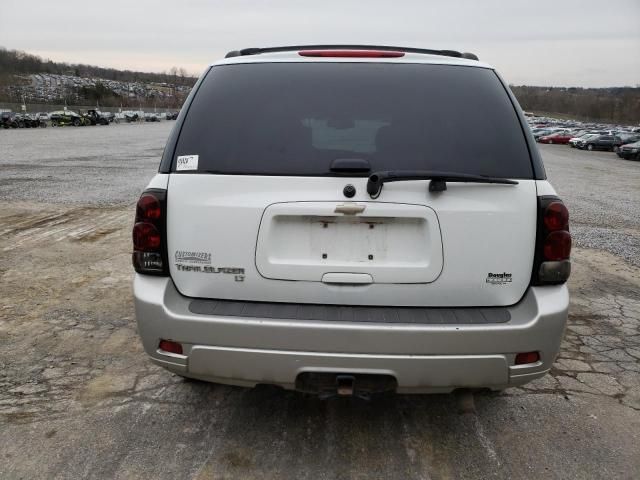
x: 257, y: 210
x: 254, y: 239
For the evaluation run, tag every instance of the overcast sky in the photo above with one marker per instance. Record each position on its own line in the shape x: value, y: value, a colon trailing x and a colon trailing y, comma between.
x: 560, y: 42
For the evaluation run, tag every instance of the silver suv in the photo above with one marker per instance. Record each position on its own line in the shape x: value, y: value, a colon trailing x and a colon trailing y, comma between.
x: 318, y: 222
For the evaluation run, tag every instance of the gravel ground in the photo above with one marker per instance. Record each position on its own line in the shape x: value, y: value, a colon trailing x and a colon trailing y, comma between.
x: 78, y: 398
x: 602, y: 192
x: 106, y: 165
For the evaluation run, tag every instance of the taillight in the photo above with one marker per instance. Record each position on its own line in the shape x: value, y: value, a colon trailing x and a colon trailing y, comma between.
x: 553, y: 243
x: 149, y: 234
x: 557, y: 246
x: 556, y: 216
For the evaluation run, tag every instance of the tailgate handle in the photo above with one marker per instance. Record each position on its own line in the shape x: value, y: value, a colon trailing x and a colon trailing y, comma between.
x: 350, y: 208
x: 347, y: 278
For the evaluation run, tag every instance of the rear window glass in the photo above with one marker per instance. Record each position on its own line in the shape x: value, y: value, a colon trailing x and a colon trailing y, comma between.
x: 296, y: 118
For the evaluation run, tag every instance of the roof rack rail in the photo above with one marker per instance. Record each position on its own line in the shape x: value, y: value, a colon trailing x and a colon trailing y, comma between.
x: 258, y: 51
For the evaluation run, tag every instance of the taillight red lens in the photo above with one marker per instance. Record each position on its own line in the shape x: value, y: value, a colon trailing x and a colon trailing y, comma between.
x: 170, y: 346
x: 148, y: 208
x: 552, y: 264
x: 557, y: 246
x: 351, y: 53
x: 149, y: 247
x: 527, y: 357
x: 556, y: 217
x: 146, y: 237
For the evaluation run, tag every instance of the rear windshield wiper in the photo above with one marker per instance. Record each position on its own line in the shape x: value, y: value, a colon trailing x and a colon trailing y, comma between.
x: 438, y: 179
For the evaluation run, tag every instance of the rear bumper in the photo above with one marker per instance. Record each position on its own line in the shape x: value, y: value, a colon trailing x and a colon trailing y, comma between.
x: 421, y: 357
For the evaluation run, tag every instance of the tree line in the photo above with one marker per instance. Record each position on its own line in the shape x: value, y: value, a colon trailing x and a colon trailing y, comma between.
x: 15, y: 62
x: 611, y: 105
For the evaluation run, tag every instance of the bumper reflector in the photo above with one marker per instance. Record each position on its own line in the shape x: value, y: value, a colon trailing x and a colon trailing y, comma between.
x: 170, y: 347
x: 527, y: 357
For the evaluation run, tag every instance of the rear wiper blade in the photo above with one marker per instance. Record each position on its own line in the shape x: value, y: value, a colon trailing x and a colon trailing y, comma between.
x: 438, y: 179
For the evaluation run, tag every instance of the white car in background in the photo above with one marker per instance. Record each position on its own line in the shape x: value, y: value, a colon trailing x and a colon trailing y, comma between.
x: 573, y: 142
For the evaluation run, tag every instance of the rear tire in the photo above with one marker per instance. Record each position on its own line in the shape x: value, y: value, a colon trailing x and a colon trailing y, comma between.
x: 590, y: 147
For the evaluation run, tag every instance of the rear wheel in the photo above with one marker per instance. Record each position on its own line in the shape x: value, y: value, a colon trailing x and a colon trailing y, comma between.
x: 590, y: 147
x: 549, y: 142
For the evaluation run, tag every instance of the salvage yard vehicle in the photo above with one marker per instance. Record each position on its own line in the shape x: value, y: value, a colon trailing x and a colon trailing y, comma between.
x: 573, y: 142
x: 317, y: 224
x: 630, y: 151
x: 131, y: 116
x: 20, y: 120
x: 96, y: 117
x: 11, y: 120
x: 61, y: 118
x: 624, y: 138
x: 607, y: 142
x: 33, y: 121
x: 558, y: 137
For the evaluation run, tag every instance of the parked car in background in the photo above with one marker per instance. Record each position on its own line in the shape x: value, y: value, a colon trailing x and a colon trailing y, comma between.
x: 130, y: 116
x: 601, y: 142
x: 96, y: 117
x: 62, y: 118
x: 625, y: 138
x: 20, y: 120
x: 10, y: 120
x: 171, y: 115
x: 574, y: 141
x: 630, y: 151
x: 558, y: 137
x: 541, y: 132
x: 32, y: 121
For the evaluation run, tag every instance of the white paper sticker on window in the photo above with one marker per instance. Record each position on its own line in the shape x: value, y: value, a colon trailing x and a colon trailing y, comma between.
x: 187, y: 162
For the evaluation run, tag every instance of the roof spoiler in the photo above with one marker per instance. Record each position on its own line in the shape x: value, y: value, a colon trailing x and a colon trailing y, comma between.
x: 290, y: 48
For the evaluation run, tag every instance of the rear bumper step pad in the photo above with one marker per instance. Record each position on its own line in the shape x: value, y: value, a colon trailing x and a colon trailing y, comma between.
x: 347, y: 313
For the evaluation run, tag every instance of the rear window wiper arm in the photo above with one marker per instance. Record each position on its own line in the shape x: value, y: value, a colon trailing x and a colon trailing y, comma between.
x: 438, y: 179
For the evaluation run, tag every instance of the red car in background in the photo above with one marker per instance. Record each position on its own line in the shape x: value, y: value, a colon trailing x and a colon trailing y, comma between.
x: 558, y: 137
